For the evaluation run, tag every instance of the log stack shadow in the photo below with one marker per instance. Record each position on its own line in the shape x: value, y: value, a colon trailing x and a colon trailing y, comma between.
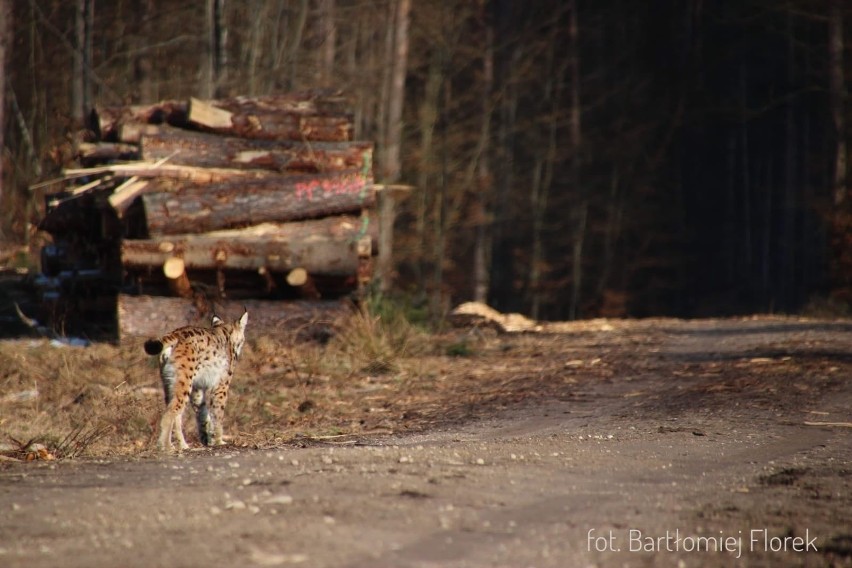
x: 183, y: 208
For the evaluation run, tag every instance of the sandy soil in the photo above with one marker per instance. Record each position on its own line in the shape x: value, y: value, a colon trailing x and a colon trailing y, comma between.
x: 706, y: 443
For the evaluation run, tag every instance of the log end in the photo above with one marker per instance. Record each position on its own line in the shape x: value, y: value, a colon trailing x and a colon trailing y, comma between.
x: 297, y: 277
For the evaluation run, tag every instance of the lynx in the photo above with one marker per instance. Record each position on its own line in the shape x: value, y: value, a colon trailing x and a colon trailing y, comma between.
x: 197, y: 365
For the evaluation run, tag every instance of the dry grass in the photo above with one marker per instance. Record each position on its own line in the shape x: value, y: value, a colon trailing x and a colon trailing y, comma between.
x: 375, y: 375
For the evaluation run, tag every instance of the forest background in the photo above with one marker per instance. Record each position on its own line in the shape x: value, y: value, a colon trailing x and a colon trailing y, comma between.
x: 571, y: 159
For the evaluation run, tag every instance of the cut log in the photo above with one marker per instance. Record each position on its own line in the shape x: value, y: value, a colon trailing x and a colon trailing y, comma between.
x: 307, y: 115
x: 132, y: 132
x: 123, y: 195
x: 174, y: 269
x: 301, y: 279
x: 341, y: 227
x: 152, y: 316
x: 324, y: 102
x: 268, y: 279
x: 211, y: 151
x: 476, y: 314
x: 168, y: 171
x: 106, y: 121
x: 206, y: 114
x: 316, y: 254
x: 310, y: 116
x: 297, y: 277
x: 240, y: 203
x: 107, y: 151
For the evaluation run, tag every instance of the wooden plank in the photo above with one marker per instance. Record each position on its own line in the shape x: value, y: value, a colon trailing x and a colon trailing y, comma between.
x: 153, y: 316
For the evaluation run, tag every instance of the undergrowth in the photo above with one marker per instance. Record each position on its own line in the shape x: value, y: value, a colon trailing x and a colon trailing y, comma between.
x: 106, y: 399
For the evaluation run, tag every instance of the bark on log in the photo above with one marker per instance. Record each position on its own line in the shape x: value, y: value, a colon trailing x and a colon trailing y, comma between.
x: 196, y: 209
x: 153, y: 316
x: 251, y: 121
x: 316, y: 254
x: 209, y: 150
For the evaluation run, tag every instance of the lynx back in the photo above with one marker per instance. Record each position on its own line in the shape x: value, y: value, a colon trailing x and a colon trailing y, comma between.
x: 197, y: 365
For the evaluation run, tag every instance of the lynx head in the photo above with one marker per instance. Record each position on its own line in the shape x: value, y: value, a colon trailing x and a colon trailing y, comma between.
x: 236, y: 331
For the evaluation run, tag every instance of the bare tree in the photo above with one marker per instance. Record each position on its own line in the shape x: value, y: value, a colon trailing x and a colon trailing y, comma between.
x: 328, y: 27
x: 837, y: 98
x: 391, y: 166
x: 81, y: 81
x: 391, y: 162
x: 5, y: 44
x: 576, y: 159
x: 214, y: 72
x: 144, y: 65
x: 482, y: 215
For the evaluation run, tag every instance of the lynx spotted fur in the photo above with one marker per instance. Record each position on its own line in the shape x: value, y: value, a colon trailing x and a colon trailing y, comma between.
x: 197, y: 365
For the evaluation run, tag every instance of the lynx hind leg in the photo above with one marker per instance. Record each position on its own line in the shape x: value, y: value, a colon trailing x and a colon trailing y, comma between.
x: 172, y: 420
x: 198, y: 398
x: 217, y: 409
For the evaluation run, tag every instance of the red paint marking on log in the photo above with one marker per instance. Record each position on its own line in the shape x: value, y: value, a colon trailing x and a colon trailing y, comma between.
x: 307, y: 189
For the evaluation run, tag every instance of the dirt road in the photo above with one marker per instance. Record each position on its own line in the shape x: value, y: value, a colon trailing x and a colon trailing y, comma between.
x: 708, y: 443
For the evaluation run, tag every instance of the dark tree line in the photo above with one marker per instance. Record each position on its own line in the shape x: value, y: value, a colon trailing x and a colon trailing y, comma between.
x: 571, y: 158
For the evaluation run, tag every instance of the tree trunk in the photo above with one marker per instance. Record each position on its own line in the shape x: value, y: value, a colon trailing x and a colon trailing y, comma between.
x: 215, y: 64
x: 78, y: 105
x: 195, y: 208
x: 576, y: 160
x: 482, y: 243
x: 328, y: 28
x: 391, y: 165
x: 144, y: 63
x: 5, y: 48
x: 183, y: 147
x: 389, y: 200
x: 837, y: 98
x: 428, y: 117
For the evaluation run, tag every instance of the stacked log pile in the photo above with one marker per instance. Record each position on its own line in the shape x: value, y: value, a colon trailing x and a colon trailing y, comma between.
x: 187, y: 207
